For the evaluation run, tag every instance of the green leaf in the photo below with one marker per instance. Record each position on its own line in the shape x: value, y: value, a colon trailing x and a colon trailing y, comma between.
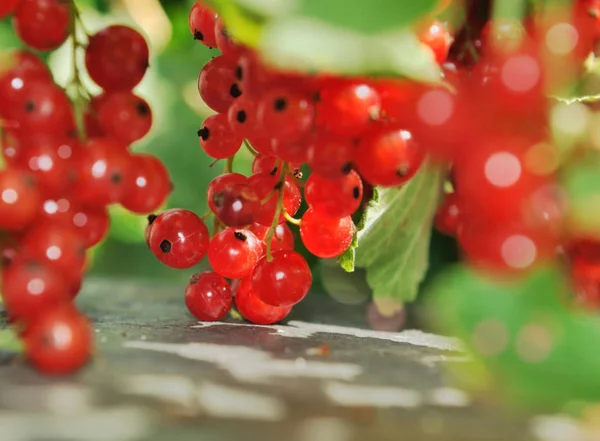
x: 393, y: 245
x: 9, y: 342
x: 346, y: 288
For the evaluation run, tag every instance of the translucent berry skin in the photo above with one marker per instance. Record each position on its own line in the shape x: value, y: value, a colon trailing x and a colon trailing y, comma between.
x: 117, y: 58
x: 217, y: 84
x: 22, y: 68
x: 324, y: 236
x: 234, y: 253
x: 57, y: 246
x: 50, y: 161
x: 202, y: 22
x: 30, y: 288
x: 208, y: 297
x: 60, y: 342
x: 242, y: 117
x: 255, y: 310
x: 285, y: 115
x: 179, y: 238
x: 339, y: 198
x: 105, y: 168
x: 389, y: 157
x: 232, y: 200
x: 217, y: 139
x: 283, y: 238
x: 125, y: 116
x: 447, y: 218
x: 19, y: 199
x: 151, y: 185
x: 348, y: 110
x: 42, y: 24
x: 221, y: 183
x: 283, y: 281
x: 265, y: 187
x: 43, y: 108
x: 332, y: 157
x: 264, y: 163
x: 7, y: 7
x: 438, y: 39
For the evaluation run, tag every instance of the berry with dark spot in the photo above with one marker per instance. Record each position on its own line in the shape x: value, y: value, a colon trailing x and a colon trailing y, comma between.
x: 125, y: 116
x: 285, y: 115
x: 208, y: 296
x: 242, y: 117
x: 334, y: 198
x: 217, y: 139
x: 202, y: 21
x: 234, y: 253
x: 326, y: 237
x: 331, y: 157
x: 216, y: 84
x: 265, y: 186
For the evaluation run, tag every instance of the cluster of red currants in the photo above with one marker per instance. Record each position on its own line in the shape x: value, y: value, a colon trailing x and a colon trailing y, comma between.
x: 64, y: 165
x: 336, y: 126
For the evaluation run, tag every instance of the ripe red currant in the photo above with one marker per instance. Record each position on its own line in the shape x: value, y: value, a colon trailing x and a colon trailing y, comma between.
x: 438, y: 38
x: 232, y: 200
x: 151, y: 185
x: 19, y: 199
x: 283, y: 281
x: 285, y: 115
x: 324, y: 236
x: 447, y: 218
x: 217, y: 84
x: 179, y: 238
x: 331, y: 157
x: 7, y: 7
x: 42, y: 24
x: 267, y: 188
x: 264, y: 163
x: 293, y: 151
x: 117, y: 58
x: 242, y: 118
x: 338, y: 198
x: 208, y: 296
x: 255, y: 310
x: 283, y: 238
x: 202, y: 23
x: 217, y: 139
x: 234, y: 253
x: 125, y: 116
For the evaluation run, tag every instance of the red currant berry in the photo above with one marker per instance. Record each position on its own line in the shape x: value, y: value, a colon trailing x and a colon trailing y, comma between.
x: 234, y: 253
x: 389, y: 157
x: 125, y: 116
x: 30, y: 288
x: 348, y: 110
x: 339, y: 198
x: 217, y: 84
x: 105, y: 168
x: 221, y: 183
x: 324, y: 236
x: 228, y: 47
x: 179, y: 238
x: 232, y: 200
x: 117, y: 58
x: 296, y: 152
x: 438, y: 39
x: 331, y: 157
x: 242, y: 118
x: 217, y: 139
x: 447, y: 218
x: 255, y: 310
x: 283, y: 281
x: 19, y: 199
x: 284, y: 115
x: 20, y: 68
x: 202, y: 23
x: 57, y: 246
x: 42, y: 24
x: 208, y: 297
x: 264, y: 164
x: 50, y: 161
x: 7, y: 7
x: 267, y: 188
x: 151, y: 185
x: 283, y: 238
x: 59, y: 342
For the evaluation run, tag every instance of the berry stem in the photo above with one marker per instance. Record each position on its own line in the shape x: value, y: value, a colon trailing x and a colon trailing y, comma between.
x: 206, y: 215
x: 250, y: 148
x: 290, y: 219
x: 229, y: 164
x: 81, y: 97
x: 278, y: 210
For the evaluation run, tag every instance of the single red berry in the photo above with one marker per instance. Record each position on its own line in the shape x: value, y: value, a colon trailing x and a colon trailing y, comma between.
x: 217, y: 84
x: 283, y: 238
x: 228, y: 47
x: 104, y: 170
x: 179, y: 238
x: 42, y: 24
x: 217, y: 139
x: 232, y: 200
x: 30, y: 288
x: 202, y: 23
x: 151, y: 185
x: 264, y: 164
x: 50, y: 160
x: 447, y: 218
x: 332, y: 157
x: 296, y: 152
x: 208, y: 296
x: 125, y: 116
x: 267, y: 188
x: 255, y: 310
x: 339, y: 198
x: 242, y: 118
x: 43, y: 108
x: 283, y: 281
x: 388, y: 157
x: 8, y: 7
x: 117, y: 58
x: 55, y: 245
x: 59, y: 342
x: 324, y: 236
x: 285, y: 115
x: 348, y: 110
x: 438, y: 39
x: 19, y: 68
x: 234, y: 253
x: 19, y: 199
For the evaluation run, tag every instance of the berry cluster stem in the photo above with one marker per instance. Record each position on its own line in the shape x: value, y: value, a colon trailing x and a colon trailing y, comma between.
x: 81, y: 95
x: 278, y: 210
